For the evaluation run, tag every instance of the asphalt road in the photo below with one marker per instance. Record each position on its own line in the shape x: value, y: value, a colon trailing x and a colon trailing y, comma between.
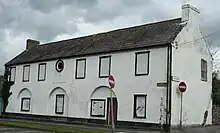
x: 18, y: 130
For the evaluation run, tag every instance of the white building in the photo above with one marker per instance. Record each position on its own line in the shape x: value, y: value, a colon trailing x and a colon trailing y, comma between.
x: 69, y: 78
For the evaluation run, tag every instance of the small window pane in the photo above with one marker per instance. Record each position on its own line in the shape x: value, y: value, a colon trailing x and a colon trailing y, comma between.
x: 42, y: 72
x: 203, y: 70
x: 13, y: 70
x: 142, y: 60
x: 104, y: 66
x: 80, y: 70
x: 59, y: 104
x: 26, y: 73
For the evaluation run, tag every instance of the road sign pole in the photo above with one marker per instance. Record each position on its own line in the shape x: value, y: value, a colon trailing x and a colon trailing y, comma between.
x: 181, y: 110
x: 111, y: 82
x: 112, y: 114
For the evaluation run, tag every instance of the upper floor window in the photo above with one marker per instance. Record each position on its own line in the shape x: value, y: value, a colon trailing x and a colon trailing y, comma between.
x: 203, y: 70
x: 80, y: 69
x: 12, y: 72
x: 42, y: 72
x: 104, y: 66
x: 142, y: 63
x: 26, y: 73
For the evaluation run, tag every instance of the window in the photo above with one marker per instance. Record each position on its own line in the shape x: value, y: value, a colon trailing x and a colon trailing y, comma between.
x: 25, y: 104
x: 59, y: 107
x: 80, y: 69
x: 13, y: 72
x: 140, y: 106
x: 97, y: 107
x: 203, y: 70
x: 59, y: 66
x: 26, y: 73
x: 104, y: 66
x: 142, y: 63
x: 42, y: 72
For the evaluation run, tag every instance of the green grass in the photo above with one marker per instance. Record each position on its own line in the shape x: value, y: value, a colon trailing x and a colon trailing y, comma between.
x: 47, y: 127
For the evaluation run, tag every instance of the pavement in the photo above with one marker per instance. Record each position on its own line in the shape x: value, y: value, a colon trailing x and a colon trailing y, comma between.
x: 208, y: 129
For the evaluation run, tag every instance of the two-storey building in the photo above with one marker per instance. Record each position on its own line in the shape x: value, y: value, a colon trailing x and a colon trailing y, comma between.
x: 68, y: 78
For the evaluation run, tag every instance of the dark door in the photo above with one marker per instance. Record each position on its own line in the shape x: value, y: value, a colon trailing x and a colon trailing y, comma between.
x: 115, y: 110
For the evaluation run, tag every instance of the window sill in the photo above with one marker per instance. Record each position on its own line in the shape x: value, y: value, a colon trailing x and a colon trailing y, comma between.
x: 143, y: 74
x: 103, y: 76
x: 79, y: 77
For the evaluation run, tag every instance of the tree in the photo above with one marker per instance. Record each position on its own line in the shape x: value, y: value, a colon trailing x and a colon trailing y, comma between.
x: 6, y: 88
x: 216, y: 87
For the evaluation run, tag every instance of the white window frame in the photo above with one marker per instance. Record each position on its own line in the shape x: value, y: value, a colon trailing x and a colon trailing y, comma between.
x: 100, y: 66
x: 28, y: 67
x: 39, y: 71
x: 12, y: 74
x: 77, y: 68
x: 148, y: 63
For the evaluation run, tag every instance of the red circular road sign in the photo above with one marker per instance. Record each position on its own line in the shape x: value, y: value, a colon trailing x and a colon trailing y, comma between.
x: 182, y: 87
x: 111, y: 81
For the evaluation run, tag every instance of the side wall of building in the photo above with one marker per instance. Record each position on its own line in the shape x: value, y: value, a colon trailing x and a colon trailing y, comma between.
x: 79, y: 92
x: 188, y: 50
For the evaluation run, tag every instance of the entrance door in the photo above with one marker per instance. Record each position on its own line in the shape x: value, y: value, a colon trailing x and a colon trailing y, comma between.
x: 115, y: 110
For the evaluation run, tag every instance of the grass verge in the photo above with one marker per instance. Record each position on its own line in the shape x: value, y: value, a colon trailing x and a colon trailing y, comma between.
x: 53, y: 128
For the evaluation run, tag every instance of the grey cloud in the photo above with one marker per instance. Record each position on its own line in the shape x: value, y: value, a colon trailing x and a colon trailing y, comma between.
x: 46, y: 19
x: 46, y: 6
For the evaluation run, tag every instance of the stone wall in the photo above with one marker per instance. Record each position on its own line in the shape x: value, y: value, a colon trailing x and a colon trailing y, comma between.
x: 216, y: 114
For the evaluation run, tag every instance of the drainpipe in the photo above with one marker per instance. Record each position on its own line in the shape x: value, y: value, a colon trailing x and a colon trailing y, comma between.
x: 169, y: 92
x: 170, y: 84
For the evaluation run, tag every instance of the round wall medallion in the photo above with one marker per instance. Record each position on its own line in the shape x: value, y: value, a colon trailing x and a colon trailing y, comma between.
x: 59, y: 65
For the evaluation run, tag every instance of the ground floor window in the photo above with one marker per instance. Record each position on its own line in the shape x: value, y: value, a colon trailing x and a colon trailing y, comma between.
x: 97, y: 107
x: 140, y: 106
x: 25, y: 104
x: 59, y: 105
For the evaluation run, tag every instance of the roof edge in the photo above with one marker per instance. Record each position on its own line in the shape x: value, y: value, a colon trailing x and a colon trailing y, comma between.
x: 124, y: 28
x: 91, y: 54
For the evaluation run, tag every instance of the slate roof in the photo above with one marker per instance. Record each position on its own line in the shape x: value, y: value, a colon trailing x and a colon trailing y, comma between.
x: 142, y: 36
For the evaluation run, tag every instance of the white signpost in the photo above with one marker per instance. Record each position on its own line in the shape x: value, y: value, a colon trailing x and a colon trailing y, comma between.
x: 111, y: 82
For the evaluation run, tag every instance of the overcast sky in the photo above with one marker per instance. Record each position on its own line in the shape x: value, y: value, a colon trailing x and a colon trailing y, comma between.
x: 51, y: 20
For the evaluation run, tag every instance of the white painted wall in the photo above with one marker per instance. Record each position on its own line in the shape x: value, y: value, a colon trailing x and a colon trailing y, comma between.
x: 187, y: 66
x: 79, y: 91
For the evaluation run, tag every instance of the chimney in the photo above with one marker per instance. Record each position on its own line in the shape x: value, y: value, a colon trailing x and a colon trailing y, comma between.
x: 190, y: 14
x: 31, y: 43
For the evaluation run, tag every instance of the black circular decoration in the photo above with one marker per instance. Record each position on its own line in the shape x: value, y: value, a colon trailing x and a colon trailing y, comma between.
x: 59, y: 65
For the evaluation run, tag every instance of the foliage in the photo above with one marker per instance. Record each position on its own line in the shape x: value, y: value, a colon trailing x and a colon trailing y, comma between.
x: 52, y: 128
x: 6, y: 89
x: 216, y: 87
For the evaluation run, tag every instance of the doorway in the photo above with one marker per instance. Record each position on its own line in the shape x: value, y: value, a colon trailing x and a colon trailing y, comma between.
x: 115, y: 110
